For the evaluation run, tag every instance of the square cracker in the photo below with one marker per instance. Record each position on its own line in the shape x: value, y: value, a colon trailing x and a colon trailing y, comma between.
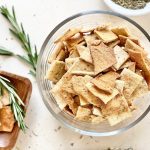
x: 121, y: 31
x: 81, y: 49
x: 69, y: 33
x: 141, y: 63
x: 106, y: 35
x: 56, y: 71
x: 105, y: 97
x: 121, y: 57
x: 79, y: 83
x: 131, y: 45
x: 115, y: 119
x: 80, y: 67
x: 132, y: 80
x: 115, y: 106
x: 106, y: 82
x: 103, y: 57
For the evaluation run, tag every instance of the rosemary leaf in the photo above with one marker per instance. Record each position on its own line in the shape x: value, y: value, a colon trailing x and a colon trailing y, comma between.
x: 4, y: 51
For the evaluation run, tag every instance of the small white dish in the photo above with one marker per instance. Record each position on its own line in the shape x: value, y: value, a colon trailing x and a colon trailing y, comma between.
x: 127, y: 12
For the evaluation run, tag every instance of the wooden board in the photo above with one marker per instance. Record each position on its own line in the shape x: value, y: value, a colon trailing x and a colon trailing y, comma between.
x: 24, y: 89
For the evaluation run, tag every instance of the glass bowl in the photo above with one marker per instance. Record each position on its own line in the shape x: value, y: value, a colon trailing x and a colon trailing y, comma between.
x: 89, y: 19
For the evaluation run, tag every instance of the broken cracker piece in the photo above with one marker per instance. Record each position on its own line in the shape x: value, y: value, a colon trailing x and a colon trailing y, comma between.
x: 83, y: 114
x: 69, y: 33
x: 115, y: 119
x: 79, y: 83
x: 56, y: 71
x: 113, y: 44
x: 106, y: 82
x: 121, y: 57
x: 106, y: 35
x: 81, y: 67
x: 83, y: 101
x: 131, y: 45
x: 96, y: 111
x: 119, y: 85
x: 55, y: 52
x: 141, y: 63
x: 69, y: 62
x: 105, y: 97
x: 103, y: 57
x: 132, y: 80
x: 121, y: 31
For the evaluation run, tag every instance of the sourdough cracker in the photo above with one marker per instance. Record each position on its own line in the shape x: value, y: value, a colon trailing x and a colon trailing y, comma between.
x: 115, y: 119
x: 121, y: 31
x: 131, y: 45
x: 106, y: 35
x: 79, y: 83
x: 103, y: 57
x: 121, y: 57
x: 132, y: 80
x: 56, y: 71
x: 69, y: 33
x: 117, y: 105
x: 58, y: 48
x: 141, y: 63
x: 69, y: 62
x: 83, y: 101
x: 113, y: 44
x: 82, y: 67
x: 103, y: 96
x: 106, y: 82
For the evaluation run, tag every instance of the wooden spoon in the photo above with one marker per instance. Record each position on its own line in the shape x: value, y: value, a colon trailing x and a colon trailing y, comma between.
x: 24, y: 88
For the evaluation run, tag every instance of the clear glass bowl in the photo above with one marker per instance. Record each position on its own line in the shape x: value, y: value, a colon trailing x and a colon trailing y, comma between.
x: 89, y: 19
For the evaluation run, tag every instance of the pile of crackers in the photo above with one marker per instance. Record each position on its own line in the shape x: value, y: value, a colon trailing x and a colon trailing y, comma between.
x: 98, y: 73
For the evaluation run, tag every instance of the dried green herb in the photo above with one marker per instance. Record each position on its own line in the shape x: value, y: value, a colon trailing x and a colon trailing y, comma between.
x: 132, y: 4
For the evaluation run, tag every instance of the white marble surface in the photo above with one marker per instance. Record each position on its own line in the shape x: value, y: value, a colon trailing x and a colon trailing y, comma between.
x: 45, y: 132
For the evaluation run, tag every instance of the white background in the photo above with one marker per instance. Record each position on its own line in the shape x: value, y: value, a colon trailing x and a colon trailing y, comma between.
x: 39, y: 17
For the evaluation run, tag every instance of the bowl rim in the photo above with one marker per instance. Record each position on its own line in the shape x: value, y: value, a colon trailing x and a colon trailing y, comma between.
x: 85, y: 132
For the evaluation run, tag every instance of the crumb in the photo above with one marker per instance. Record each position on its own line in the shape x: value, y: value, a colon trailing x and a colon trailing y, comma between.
x: 91, y: 137
x: 34, y: 15
x: 81, y: 136
x: 34, y: 133
x: 6, y: 39
x: 59, y: 128
x: 11, y: 38
x: 29, y: 147
x: 72, y: 144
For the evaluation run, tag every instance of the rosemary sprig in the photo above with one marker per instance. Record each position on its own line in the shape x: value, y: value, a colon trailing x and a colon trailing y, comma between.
x: 15, y: 102
x: 4, y: 51
x: 19, y: 32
